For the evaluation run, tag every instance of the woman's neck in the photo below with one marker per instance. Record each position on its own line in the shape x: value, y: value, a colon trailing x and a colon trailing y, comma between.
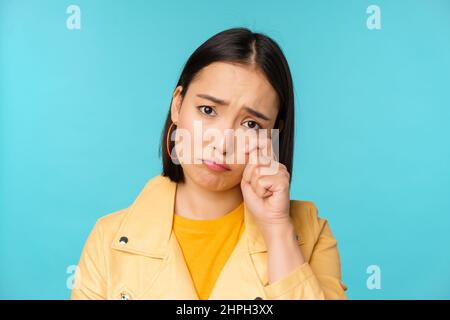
x: 197, y: 203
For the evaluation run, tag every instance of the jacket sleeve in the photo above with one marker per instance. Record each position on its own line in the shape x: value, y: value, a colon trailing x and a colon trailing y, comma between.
x: 90, y: 274
x: 319, y: 278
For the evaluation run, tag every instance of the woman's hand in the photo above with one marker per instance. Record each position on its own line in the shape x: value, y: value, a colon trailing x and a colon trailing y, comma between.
x: 265, y: 189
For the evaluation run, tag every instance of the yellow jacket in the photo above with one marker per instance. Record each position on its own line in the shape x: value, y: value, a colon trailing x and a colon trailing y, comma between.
x: 133, y: 254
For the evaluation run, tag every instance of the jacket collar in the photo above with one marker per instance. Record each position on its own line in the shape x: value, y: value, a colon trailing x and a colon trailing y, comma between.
x: 147, y: 224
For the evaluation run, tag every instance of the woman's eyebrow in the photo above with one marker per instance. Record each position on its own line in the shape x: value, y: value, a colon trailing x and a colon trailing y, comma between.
x: 257, y: 113
x: 213, y: 99
x: 226, y: 103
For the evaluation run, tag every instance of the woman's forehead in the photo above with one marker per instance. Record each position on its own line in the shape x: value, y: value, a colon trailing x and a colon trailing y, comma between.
x: 234, y: 83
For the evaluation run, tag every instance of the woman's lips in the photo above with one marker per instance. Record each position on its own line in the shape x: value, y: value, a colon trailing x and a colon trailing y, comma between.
x: 216, y: 166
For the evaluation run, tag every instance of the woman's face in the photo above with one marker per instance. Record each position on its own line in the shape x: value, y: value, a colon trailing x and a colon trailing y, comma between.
x: 222, y: 96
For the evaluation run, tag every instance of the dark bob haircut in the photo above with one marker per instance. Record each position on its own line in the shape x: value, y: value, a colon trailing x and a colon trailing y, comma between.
x: 240, y: 45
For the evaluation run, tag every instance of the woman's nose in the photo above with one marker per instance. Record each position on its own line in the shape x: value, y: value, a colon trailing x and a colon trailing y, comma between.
x: 233, y: 146
x: 224, y: 142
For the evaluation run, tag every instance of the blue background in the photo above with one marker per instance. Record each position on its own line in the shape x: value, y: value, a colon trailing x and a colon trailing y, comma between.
x: 81, y: 113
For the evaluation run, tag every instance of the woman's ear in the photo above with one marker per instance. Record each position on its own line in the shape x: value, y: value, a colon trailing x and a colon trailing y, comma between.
x: 176, y: 104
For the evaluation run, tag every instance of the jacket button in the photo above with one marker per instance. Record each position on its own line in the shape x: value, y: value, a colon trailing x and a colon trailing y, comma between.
x: 124, y: 296
x: 123, y: 241
x: 259, y: 298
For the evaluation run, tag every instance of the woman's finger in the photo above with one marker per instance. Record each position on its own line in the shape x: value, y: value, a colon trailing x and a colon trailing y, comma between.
x: 261, y: 185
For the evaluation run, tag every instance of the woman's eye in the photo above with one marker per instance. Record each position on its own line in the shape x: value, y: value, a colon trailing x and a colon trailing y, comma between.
x: 252, y: 125
x: 207, y: 110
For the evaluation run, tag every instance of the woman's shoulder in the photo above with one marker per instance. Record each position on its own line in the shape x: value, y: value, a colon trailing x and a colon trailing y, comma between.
x: 112, y: 221
x: 304, y: 210
x: 306, y: 219
x: 108, y: 225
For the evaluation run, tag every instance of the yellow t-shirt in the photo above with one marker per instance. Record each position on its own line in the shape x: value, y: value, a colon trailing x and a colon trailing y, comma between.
x: 207, y: 244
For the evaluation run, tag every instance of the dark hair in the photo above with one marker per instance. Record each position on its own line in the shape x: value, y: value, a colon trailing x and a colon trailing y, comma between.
x: 240, y: 45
